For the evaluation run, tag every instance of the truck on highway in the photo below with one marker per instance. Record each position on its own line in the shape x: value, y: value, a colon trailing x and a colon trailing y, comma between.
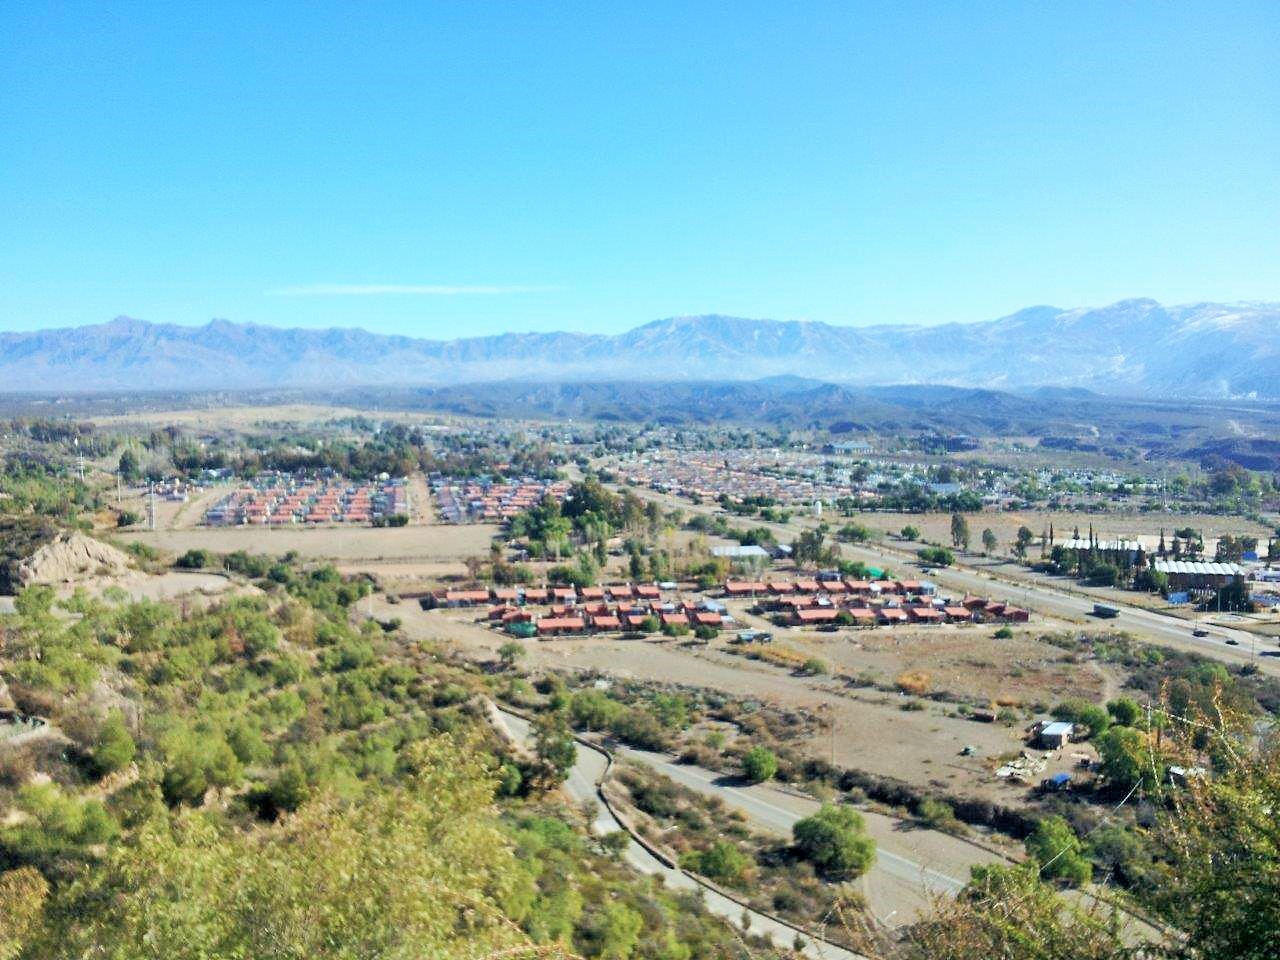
x: 1106, y: 611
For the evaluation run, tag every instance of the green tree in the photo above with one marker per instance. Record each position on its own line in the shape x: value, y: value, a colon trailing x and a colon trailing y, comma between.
x: 1083, y: 713
x: 834, y: 840
x: 619, y: 931
x: 53, y: 825
x: 114, y: 748
x: 129, y: 467
x: 1022, y: 540
x: 937, y: 556
x: 22, y: 898
x: 1124, y: 711
x: 989, y: 542
x: 1060, y: 853
x: 553, y: 742
x: 959, y: 531
x: 1125, y: 758
x: 910, y: 533
x: 509, y: 653
x: 759, y: 764
x: 420, y: 870
x: 1222, y: 889
x: 1007, y: 912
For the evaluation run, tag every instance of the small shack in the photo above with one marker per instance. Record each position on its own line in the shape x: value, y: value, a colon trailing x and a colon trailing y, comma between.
x: 1055, y: 735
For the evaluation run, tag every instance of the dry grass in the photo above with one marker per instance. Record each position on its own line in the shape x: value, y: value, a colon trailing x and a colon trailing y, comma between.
x: 915, y: 682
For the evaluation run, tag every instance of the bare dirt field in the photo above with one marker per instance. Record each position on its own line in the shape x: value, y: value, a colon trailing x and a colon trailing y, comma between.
x: 350, y: 544
x: 872, y: 731
x: 967, y: 661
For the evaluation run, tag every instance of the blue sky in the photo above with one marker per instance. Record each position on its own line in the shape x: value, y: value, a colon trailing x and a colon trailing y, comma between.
x: 440, y: 169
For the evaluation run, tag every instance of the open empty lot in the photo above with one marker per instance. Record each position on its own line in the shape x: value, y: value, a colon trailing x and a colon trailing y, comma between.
x: 963, y: 660
x: 342, y: 544
x: 872, y: 730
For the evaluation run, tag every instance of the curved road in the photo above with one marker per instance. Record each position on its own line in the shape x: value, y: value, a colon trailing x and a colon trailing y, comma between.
x: 587, y: 772
x: 911, y: 867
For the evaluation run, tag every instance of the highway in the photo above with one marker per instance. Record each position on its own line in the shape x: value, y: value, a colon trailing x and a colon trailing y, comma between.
x: 1036, y: 592
x: 1045, y: 594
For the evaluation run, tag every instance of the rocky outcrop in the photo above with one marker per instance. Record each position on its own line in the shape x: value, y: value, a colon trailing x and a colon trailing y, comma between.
x: 72, y: 557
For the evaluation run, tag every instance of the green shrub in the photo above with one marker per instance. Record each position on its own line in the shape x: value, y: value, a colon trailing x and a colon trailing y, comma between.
x: 813, y: 667
x: 114, y: 748
x: 722, y: 861
x: 1055, y: 846
x: 834, y: 840
x: 194, y: 560
x: 759, y: 764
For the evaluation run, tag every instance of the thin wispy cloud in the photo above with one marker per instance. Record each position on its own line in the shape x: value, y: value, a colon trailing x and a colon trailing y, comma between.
x: 402, y: 289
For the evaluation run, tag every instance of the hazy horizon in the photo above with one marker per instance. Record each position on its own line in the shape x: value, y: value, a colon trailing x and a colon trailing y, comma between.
x: 448, y: 171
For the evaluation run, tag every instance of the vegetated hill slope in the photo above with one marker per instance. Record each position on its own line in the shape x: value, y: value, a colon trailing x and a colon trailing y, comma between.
x: 1071, y: 417
x: 1131, y: 347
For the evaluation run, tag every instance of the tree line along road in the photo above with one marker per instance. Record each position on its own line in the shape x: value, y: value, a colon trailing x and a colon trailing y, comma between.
x: 1037, y: 593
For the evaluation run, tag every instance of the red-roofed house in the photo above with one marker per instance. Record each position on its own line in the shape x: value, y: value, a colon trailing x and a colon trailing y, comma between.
x: 558, y: 626
x: 925, y: 614
x: 633, y: 619
x: 815, y: 615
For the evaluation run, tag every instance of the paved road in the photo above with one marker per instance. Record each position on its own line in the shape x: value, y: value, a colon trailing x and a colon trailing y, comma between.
x: 1044, y: 594
x: 1049, y: 595
x: 581, y: 786
x: 911, y: 866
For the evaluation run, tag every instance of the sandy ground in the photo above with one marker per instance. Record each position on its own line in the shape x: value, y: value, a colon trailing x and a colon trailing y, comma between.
x: 430, y: 543
x: 872, y: 731
x: 967, y: 661
x: 141, y: 586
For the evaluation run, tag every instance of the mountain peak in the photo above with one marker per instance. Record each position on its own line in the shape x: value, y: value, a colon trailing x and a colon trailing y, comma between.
x: 1132, y: 346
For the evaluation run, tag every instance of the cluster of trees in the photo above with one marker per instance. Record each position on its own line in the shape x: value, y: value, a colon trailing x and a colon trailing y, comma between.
x: 45, y: 487
x: 580, y: 528
x: 281, y: 780
x: 911, y: 497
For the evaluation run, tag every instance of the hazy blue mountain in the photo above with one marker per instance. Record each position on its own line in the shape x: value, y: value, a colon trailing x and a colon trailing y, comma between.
x: 1131, y: 347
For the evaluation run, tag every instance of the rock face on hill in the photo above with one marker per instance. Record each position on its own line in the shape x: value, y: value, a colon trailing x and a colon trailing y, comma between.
x: 70, y: 558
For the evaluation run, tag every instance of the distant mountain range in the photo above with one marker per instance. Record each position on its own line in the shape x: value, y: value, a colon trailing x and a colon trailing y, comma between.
x: 1134, y: 347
